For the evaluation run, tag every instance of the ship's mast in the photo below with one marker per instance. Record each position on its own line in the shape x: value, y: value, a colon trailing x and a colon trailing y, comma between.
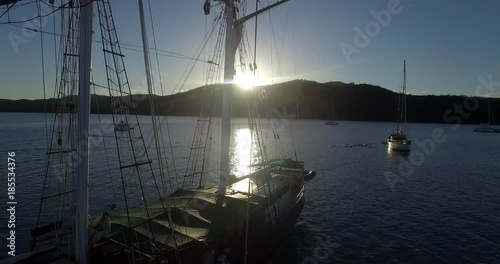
x: 233, y: 38
x: 404, y: 96
x: 229, y: 73
x: 82, y: 150
x: 489, y: 112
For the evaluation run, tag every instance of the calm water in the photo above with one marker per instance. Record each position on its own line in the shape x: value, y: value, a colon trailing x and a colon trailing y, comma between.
x: 444, y: 207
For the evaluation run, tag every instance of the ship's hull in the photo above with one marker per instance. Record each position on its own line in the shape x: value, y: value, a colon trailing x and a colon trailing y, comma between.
x: 398, y: 141
x: 269, y: 239
x: 204, y: 220
x: 398, y: 145
x: 272, y: 216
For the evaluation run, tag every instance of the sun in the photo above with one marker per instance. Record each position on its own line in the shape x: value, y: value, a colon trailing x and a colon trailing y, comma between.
x: 245, y: 80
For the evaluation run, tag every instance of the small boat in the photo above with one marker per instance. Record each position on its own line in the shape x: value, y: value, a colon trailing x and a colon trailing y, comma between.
x: 486, y: 127
x: 398, y: 140
x: 122, y: 126
x: 332, y: 122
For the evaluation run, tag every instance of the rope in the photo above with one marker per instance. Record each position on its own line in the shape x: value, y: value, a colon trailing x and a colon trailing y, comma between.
x: 162, y: 92
x: 105, y: 148
x: 251, y: 136
x: 155, y: 127
x: 43, y: 81
x: 62, y: 121
x: 45, y: 15
x: 7, y: 10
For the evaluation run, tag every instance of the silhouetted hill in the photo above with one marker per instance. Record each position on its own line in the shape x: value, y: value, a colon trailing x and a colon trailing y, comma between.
x: 358, y: 102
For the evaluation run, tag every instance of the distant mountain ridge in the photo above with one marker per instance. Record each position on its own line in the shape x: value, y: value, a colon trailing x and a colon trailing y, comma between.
x: 357, y: 102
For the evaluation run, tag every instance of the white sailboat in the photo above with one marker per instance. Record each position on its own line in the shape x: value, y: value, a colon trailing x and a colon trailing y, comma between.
x: 486, y: 127
x: 398, y: 140
x: 332, y: 122
x: 254, y: 213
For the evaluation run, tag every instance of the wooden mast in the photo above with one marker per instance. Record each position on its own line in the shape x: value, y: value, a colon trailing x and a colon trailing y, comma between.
x: 82, y: 150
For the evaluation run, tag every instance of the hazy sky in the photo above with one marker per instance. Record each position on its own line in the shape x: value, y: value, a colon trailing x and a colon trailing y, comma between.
x: 449, y: 45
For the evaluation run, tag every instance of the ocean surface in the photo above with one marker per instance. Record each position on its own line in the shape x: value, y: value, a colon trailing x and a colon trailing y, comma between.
x: 438, y: 204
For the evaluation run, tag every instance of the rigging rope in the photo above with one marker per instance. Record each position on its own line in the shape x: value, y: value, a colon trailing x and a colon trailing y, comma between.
x: 155, y: 128
x: 43, y: 81
x: 162, y: 93
x: 7, y: 10
x: 48, y: 14
x: 150, y: 50
x: 105, y: 148
x: 63, y: 121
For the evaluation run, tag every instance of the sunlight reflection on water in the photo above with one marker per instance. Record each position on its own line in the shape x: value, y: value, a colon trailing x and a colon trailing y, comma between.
x: 243, y: 151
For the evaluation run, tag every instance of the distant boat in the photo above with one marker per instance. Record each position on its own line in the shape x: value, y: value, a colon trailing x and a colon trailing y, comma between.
x: 332, y: 122
x: 122, y: 126
x: 297, y: 102
x: 485, y: 127
x: 398, y: 140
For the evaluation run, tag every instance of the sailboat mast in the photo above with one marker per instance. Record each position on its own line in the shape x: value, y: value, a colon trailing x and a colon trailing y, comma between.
x: 404, y: 95
x: 489, y: 112
x: 333, y: 111
x: 82, y: 150
x: 297, y: 102
x: 229, y: 73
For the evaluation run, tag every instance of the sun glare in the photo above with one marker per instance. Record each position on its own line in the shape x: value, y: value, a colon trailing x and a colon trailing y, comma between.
x: 246, y: 80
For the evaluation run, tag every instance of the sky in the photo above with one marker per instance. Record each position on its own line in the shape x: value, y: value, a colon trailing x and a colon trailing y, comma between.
x: 451, y: 46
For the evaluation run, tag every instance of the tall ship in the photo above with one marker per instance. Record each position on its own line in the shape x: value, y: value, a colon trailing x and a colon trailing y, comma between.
x: 241, y: 219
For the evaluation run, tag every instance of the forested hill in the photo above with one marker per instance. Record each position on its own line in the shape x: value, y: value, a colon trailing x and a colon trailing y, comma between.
x: 359, y: 102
